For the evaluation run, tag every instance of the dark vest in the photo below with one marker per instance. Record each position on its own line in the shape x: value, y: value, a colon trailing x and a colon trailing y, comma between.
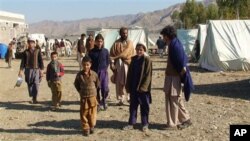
x: 32, y: 59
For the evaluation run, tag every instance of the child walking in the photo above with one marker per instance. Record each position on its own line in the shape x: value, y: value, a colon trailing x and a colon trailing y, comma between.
x: 86, y: 83
x: 55, y: 71
x: 138, y: 84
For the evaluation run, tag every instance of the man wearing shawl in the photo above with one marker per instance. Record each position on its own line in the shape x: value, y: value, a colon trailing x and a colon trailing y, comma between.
x: 120, y: 54
x: 177, y: 73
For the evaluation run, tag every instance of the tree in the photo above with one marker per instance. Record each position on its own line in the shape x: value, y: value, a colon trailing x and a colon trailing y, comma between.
x: 212, y: 12
x: 201, y: 13
x: 234, y: 9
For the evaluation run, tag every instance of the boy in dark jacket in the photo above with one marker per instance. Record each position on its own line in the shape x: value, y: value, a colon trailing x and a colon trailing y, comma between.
x: 100, y: 62
x: 139, y: 86
x: 55, y: 71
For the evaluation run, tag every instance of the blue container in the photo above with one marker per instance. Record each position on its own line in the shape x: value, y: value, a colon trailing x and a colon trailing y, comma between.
x: 3, y: 50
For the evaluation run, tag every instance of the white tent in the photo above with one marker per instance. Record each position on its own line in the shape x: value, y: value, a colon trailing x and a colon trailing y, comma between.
x: 136, y: 34
x: 187, y: 38
x: 226, y: 46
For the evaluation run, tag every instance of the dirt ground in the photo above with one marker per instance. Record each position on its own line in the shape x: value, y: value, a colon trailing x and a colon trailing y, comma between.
x: 220, y: 99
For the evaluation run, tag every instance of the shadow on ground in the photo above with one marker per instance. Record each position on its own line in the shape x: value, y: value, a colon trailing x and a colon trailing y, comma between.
x: 234, y: 89
x: 26, y: 105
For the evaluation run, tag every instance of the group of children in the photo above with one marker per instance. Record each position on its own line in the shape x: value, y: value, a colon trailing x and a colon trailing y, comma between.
x: 91, y: 82
x: 93, y: 78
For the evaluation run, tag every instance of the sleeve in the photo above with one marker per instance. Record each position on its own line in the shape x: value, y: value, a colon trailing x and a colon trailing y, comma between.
x: 22, y: 65
x: 128, y: 81
x: 147, y: 76
x: 178, y: 56
x: 61, y: 70
x: 77, y: 83
x: 78, y: 46
x: 107, y: 59
x: 47, y: 72
x: 40, y: 61
x: 97, y: 82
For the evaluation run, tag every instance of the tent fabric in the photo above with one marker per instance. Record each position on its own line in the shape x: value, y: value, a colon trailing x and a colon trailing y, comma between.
x: 3, y: 50
x: 187, y: 38
x: 202, y: 34
x: 110, y: 35
x: 226, y: 47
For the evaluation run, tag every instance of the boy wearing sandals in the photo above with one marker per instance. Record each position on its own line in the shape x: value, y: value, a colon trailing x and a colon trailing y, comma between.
x: 86, y: 83
x: 55, y: 71
x: 139, y: 86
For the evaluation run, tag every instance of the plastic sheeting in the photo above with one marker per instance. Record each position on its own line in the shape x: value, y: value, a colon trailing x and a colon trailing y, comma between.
x: 227, y: 46
x: 3, y: 50
x: 187, y: 38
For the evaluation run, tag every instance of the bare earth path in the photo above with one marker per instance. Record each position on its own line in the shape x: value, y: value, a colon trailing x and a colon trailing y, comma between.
x: 220, y: 99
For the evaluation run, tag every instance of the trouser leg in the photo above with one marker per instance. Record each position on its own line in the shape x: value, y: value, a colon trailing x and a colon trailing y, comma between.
x: 133, y: 110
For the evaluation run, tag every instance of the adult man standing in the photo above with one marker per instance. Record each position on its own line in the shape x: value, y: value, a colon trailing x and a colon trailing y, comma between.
x: 177, y: 72
x: 161, y: 46
x: 32, y: 64
x: 120, y: 54
x: 81, y: 49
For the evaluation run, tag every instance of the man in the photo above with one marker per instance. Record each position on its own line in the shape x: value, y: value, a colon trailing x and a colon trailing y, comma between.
x: 81, y: 49
x: 120, y: 54
x: 62, y: 48
x: 90, y: 43
x: 47, y: 48
x: 177, y: 72
x: 161, y: 46
x: 32, y: 64
x: 9, y: 54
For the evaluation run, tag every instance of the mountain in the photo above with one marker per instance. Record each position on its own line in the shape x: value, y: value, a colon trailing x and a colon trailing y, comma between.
x: 153, y: 21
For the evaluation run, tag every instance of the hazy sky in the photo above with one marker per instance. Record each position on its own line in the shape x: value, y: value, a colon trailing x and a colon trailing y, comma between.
x: 64, y: 10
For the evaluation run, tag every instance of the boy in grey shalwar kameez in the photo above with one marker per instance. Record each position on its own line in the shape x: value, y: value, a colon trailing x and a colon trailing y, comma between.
x: 32, y: 64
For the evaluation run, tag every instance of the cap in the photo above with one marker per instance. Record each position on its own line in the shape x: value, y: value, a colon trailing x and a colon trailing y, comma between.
x: 142, y: 44
x: 32, y: 39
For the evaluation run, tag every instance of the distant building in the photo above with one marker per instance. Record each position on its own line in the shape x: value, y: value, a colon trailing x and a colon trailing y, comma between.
x: 12, y: 25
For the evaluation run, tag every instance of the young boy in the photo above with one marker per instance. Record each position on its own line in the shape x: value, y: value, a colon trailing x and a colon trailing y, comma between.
x: 138, y: 84
x: 55, y: 71
x: 100, y: 62
x: 86, y: 83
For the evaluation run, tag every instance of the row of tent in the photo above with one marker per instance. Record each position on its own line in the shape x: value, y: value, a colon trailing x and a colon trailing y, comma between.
x: 224, y: 44
x: 136, y: 34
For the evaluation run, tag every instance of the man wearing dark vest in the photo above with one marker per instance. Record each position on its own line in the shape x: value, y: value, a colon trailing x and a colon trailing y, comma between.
x: 32, y: 64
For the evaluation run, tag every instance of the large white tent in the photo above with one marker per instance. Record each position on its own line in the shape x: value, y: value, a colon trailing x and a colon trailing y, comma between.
x: 136, y: 34
x: 226, y: 46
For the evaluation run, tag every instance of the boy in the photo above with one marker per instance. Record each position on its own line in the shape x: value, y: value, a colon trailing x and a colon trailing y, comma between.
x: 138, y: 84
x: 100, y: 59
x: 86, y: 83
x: 55, y: 71
x: 32, y: 65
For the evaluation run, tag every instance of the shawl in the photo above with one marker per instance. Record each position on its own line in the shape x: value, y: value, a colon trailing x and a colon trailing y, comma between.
x: 179, y: 60
x: 123, y: 52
